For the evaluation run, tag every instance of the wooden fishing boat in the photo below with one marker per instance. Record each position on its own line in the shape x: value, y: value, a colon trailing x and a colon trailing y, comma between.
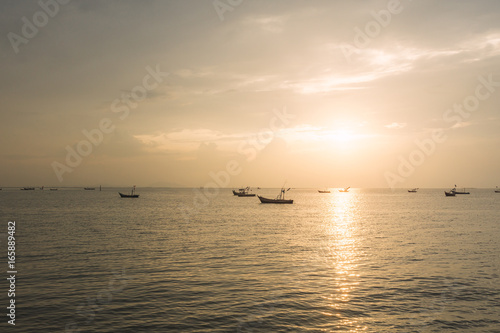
x: 131, y: 195
x: 280, y: 199
x: 346, y: 189
x: 244, y: 192
x: 454, y: 190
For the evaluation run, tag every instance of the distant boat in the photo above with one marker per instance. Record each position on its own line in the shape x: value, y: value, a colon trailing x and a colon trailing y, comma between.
x: 497, y: 190
x: 28, y: 189
x: 246, y: 194
x: 131, y: 195
x: 414, y: 190
x: 280, y: 199
x: 449, y: 194
x: 242, y: 192
x: 53, y: 189
x: 324, y: 191
x: 346, y: 189
x: 454, y: 190
x: 89, y: 188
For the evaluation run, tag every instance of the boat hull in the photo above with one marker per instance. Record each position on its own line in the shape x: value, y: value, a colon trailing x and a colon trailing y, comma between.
x: 449, y: 194
x: 275, y: 201
x: 323, y: 191
x: 128, y: 195
x: 246, y: 194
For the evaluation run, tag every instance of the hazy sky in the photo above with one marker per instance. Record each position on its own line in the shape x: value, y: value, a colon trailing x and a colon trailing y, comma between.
x: 317, y: 93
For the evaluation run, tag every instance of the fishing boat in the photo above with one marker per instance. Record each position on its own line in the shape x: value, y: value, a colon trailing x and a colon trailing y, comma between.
x: 244, y: 192
x: 28, y: 189
x: 497, y: 190
x: 449, y: 194
x: 324, y: 191
x: 345, y: 189
x: 280, y: 199
x: 240, y: 190
x: 131, y: 195
x: 53, y: 189
x: 413, y: 190
x: 454, y: 190
x: 89, y: 188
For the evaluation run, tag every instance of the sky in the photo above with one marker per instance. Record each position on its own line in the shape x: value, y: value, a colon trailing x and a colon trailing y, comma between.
x: 188, y: 93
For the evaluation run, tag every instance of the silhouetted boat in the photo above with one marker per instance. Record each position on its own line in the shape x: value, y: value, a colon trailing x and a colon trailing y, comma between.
x: 454, y: 190
x: 497, y: 190
x: 28, y: 189
x: 449, y: 194
x: 243, y: 192
x: 240, y: 190
x: 346, y: 189
x: 414, y: 190
x: 246, y: 194
x: 324, y: 191
x: 280, y: 199
x: 131, y: 195
x: 89, y: 188
x: 53, y: 189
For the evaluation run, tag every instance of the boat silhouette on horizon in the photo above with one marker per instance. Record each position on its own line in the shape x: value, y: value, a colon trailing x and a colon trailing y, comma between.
x: 280, y: 199
x: 131, y: 195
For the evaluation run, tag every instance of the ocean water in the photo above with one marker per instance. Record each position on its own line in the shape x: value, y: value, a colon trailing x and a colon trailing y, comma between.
x: 371, y: 260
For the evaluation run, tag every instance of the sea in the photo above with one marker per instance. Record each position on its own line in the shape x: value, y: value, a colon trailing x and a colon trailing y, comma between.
x: 204, y: 260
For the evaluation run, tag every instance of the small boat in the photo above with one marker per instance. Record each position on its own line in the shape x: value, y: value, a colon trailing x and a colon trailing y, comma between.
x: 240, y: 190
x: 414, y: 190
x: 53, y: 189
x: 449, y: 194
x: 324, y: 191
x: 244, y: 192
x: 345, y: 189
x: 131, y: 195
x: 280, y: 199
x: 497, y: 190
x: 28, y: 189
x: 89, y: 188
x: 454, y: 190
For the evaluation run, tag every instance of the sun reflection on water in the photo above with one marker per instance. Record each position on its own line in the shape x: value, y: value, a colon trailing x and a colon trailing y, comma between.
x: 343, y: 254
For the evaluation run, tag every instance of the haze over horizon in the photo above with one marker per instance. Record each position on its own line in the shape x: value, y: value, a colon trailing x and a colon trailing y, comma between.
x: 366, y: 94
